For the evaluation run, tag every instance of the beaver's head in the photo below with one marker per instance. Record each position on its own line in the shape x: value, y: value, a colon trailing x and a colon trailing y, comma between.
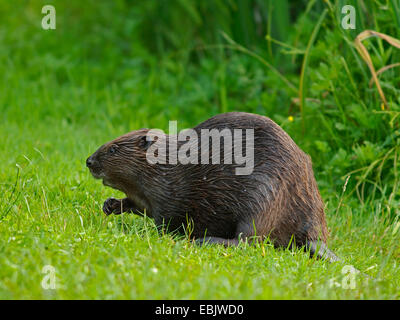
x: 120, y: 161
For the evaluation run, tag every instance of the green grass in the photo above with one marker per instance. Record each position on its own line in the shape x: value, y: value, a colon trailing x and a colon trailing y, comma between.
x: 63, y: 93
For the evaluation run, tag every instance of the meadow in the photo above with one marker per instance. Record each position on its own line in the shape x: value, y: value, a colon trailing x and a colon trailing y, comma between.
x: 114, y: 66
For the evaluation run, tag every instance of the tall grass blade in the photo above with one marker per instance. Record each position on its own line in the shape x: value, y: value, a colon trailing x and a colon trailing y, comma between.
x: 302, y: 87
x: 366, y: 57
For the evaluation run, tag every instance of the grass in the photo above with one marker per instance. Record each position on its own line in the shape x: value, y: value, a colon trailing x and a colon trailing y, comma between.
x: 65, y: 92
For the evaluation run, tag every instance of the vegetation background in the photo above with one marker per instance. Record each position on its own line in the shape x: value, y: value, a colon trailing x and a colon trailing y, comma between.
x: 114, y: 66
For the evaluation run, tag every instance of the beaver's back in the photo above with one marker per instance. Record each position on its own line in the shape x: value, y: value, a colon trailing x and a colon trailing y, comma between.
x: 279, y: 198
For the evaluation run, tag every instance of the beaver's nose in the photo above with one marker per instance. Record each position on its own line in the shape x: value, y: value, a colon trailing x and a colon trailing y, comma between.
x: 89, y: 162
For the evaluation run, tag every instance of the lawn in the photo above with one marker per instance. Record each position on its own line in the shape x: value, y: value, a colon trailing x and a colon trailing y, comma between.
x: 109, y: 68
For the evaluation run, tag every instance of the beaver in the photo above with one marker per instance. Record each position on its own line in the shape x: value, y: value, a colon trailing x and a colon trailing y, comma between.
x: 278, y: 199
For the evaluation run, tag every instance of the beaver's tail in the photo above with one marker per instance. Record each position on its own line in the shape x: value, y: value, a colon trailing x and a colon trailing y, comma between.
x: 321, y: 251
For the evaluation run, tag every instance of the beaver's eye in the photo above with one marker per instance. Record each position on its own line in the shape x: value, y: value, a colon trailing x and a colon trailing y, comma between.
x: 112, y: 149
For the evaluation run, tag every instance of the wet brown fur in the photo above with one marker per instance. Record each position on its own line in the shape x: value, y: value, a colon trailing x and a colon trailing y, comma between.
x: 279, y: 199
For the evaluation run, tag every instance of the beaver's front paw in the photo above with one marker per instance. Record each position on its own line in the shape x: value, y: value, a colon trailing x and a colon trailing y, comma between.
x: 112, y: 206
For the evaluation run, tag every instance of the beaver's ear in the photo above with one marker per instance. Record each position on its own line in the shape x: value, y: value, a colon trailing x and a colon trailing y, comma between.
x: 145, y: 142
